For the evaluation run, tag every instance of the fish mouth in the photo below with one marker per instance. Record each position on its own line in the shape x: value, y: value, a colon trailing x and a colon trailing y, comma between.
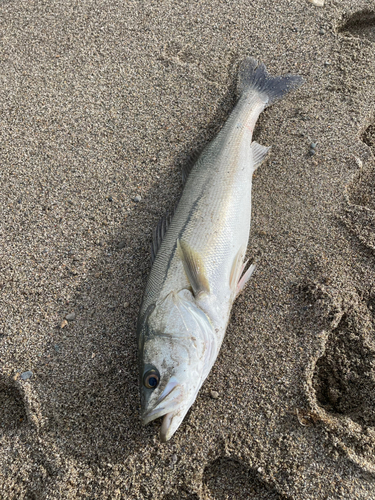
x: 167, y: 403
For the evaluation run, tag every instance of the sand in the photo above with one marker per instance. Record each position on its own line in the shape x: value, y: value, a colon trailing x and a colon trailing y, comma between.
x: 102, y: 101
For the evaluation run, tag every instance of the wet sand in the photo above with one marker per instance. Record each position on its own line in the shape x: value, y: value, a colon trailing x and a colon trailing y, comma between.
x: 101, y: 102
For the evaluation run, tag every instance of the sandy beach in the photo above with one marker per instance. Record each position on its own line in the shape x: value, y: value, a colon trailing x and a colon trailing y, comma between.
x: 101, y: 103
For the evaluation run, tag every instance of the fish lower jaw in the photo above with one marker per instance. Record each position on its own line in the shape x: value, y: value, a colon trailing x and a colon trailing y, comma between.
x: 165, y: 433
x: 168, y: 426
x: 172, y: 418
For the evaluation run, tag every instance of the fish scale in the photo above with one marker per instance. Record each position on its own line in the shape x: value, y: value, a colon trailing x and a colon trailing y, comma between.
x: 207, y: 214
x: 196, y: 274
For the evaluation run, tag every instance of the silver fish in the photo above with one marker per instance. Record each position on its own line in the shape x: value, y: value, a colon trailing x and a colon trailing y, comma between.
x: 198, y: 267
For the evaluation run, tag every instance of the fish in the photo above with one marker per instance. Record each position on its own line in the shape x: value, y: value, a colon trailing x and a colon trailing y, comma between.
x: 198, y: 257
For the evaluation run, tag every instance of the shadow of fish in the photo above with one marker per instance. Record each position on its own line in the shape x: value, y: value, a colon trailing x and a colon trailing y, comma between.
x: 198, y: 267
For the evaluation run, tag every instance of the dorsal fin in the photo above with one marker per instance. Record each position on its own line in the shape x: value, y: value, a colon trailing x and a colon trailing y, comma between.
x: 159, y: 233
x: 164, y: 222
x: 189, y: 164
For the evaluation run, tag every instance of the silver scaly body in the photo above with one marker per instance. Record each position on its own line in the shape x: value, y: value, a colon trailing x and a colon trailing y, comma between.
x: 197, y: 271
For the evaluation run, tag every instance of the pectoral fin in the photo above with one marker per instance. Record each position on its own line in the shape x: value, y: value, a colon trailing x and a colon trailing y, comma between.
x: 194, y: 268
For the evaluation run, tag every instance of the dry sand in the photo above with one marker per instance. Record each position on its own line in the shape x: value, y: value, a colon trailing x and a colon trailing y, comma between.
x: 101, y: 101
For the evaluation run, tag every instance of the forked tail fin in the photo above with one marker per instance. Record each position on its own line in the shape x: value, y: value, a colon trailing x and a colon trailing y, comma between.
x: 253, y: 76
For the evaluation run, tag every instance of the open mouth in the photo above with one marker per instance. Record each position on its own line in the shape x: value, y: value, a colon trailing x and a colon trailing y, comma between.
x: 167, y: 403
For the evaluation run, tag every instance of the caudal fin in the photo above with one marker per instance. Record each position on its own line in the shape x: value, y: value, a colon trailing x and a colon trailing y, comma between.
x: 253, y: 76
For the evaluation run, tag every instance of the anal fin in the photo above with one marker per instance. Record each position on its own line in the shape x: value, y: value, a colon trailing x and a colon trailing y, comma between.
x: 245, y: 278
x: 237, y: 268
x: 237, y: 281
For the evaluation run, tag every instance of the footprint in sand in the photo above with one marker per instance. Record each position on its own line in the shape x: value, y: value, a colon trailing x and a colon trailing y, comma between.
x: 226, y: 478
x: 362, y: 190
x: 19, y: 419
x: 12, y: 408
x: 359, y: 214
x: 341, y: 381
x: 360, y: 211
x: 361, y: 25
x: 344, y: 378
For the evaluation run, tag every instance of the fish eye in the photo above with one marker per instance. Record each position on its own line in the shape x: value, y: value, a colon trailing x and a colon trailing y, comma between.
x: 151, y: 379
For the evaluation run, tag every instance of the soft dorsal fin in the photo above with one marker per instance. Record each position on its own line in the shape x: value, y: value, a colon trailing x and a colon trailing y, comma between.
x: 194, y: 268
x: 159, y: 233
x: 259, y: 153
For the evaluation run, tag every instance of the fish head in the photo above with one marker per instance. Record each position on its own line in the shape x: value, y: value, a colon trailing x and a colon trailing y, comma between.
x: 176, y: 357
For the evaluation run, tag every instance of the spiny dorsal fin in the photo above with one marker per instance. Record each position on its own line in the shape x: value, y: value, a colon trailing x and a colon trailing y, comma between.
x: 159, y: 233
x: 194, y: 268
x: 189, y: 164
x: 259, y: 153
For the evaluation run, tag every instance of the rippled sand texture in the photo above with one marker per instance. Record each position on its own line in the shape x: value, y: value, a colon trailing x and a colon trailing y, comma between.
x: 101, y: 102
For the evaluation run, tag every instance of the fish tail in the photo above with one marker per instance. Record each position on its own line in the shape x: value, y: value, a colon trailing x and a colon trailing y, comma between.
x: 254, y: 77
